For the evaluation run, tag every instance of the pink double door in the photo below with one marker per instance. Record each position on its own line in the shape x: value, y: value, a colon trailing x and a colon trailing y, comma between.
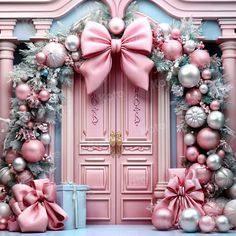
x: 116, y: 149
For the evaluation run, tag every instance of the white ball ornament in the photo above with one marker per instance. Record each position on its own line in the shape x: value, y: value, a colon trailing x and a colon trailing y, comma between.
x: 195, y: 117
x: 19, y: 164
x: 216, y: 120
x: 56, y: 54
x: 214, y: 162
x: 45, y: 138
x: 189, y: 75
x: 203, y: 88
x: 5, y: 210
x: 230, y: 212
x: 72, y: 43
x: 189, y: 220
x: 165, y: 28
x: 116, y: 25
x: 222, y: 224
x: 75, y: 56
x: 189, y: 139
x: 189, y: 46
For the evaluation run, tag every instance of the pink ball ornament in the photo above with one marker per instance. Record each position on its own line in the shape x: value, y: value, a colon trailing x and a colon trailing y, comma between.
x: 116, y: 25
x: 208, y: 139
x: 202, y: 173
x: 33, y: 150
x: 206, y: 74
x: 207, y: 224
x: 221, y: 153
x: 162, y: 218
x: 23, y: 108
x: 215, y: 105
x: 41, y: 58
x: 192, y: 154
x: 172, y: 49
x: 200, y: 58
x: 212, y: 209
x: 193, y: 96
x: 201, y: 159
x: 44, y: 95
x: 22, y: 91
x: 175, y: 33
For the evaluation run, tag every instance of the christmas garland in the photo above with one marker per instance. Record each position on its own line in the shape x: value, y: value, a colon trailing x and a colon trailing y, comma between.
x: 195, y: 78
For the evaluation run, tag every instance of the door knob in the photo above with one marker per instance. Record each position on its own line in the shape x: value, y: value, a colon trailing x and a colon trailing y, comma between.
x: 112, y: 143
x: 119, y: 143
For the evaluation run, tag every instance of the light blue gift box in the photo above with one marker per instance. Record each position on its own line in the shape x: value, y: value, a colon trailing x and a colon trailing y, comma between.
x: 72, y: 198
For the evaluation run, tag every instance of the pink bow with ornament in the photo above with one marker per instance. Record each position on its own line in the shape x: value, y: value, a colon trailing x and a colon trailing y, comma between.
x: 98, y: 47
x: 35, y: 206
x: 183, y: 191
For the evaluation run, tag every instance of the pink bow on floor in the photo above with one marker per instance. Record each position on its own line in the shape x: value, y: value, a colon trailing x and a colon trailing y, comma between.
x: 35, y: 206
x: 97, y: 47
x: 183, y: 191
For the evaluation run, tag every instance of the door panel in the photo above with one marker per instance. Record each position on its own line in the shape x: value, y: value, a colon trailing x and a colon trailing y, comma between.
x: 121, y: 184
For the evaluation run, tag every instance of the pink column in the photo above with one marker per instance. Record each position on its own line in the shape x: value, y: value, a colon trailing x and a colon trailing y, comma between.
x: 229, y: 63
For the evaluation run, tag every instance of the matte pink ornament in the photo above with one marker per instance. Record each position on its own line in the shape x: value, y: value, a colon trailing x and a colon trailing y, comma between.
x: 203, y: 174
x: 200, y: 58
x: 221, y: 153
x: 192, y: 154
x: 172, y: 49
x: 201, y: 159
x: 44, y: 95
x: 212, y: 209
x: 193, y: 96
x: 215, y: 105
x: 22, y: 91
x: 207, y: 224
x: 206, y: 74
x: 175, y: 33
x: 162, y: 218
x: 23, y: 108
x: 116, y: 25
x: 41, y: 58
x: 33, y: 150
x: 208, y: 139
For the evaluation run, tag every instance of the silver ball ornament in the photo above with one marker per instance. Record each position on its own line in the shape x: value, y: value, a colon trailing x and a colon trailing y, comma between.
x: 203, y: 88
x: 230, y: 212
x: 231, y: 192
x: 5, y: 210
x: 216, y: 120
x: 189, y: 219
x: 189, y: 139
x: 189, y: 75
x: 165, y: 28
x: 195, y: 117
x: 72, y: 43
x: 45, y: 138
x: 224, y: 178
x: 222, y: 224
x: 214, y: 162
x: 189, y: 46
x: 19, y: 164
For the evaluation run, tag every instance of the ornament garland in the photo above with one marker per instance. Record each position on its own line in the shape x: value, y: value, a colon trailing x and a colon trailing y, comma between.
x: 196, y: 80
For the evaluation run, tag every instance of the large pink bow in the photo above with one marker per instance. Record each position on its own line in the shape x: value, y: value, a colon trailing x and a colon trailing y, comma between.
x: 35, y: 206
x: 183, y: 191
x: 97, y: 47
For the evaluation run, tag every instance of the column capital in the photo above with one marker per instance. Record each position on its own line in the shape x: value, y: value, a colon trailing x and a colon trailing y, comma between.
x: 7, y: 49
x: 228, y: 48
x: 42, y: 26
x: 227, y: 26
x: 7, y: 27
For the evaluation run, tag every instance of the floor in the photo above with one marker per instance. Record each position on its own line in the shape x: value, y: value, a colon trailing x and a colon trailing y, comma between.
x: 114, y: 230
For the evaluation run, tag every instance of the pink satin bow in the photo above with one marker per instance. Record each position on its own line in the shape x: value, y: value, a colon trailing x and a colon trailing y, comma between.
x: 183, y: 192
x: 97, y: 47
x: 35, y: 207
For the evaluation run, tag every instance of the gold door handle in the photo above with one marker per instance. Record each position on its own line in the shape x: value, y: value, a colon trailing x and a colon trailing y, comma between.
x: 119, y: 143
x: 112, y: 143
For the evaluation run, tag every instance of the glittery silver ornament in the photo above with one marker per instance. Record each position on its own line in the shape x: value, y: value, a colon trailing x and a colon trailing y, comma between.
x: 45, y: 138
x: 222, y: 224
x: 195, y: 117
x: 213, y: 162
x: 231, y: 192
x: 56, y: 54
x: 224, y: 178
x: 165, y: 28
x: 5, y: 210
x: 189, y: 219
x: 216, y: 120
x: 189, y: 46
x: 230, y: 212
x: 189, y: 139
x: 189, y: 75
x: 203, y: 88
x: 72, y: 43
x: 19, y: 164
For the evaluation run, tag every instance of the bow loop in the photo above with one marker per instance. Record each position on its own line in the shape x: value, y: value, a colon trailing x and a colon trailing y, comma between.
x: 134, y: 46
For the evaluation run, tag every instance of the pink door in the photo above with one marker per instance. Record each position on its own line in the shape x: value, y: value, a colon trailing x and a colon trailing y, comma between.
x: 122, y: 178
